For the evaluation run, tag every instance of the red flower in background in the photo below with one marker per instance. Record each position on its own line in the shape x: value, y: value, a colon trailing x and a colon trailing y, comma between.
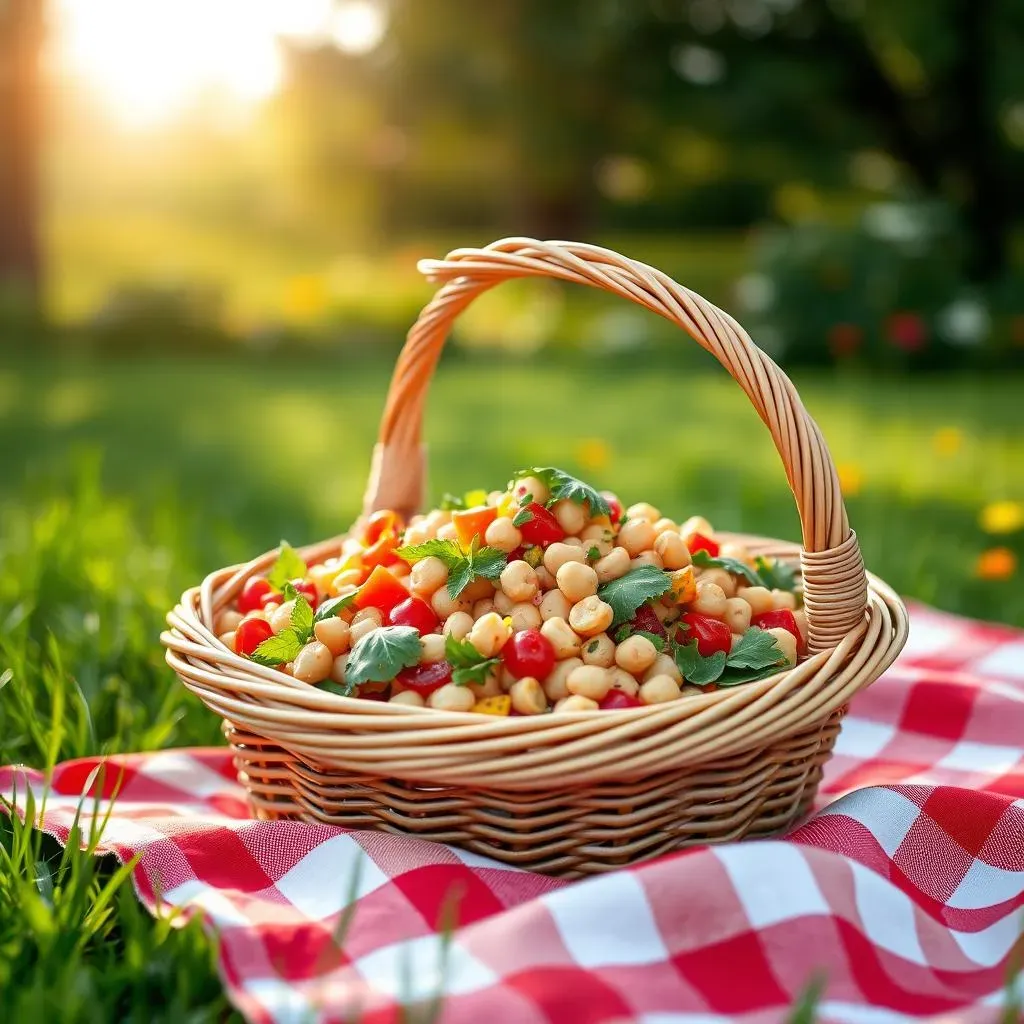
x: 906, y: 331
x: 844, y: 339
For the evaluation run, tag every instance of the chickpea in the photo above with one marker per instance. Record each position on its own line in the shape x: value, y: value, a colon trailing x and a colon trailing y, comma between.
x: 368, y: 614
x: 528, y: 697
x: 532, y: 486
x: 333, y: 633
x: 489, y: 634
x: 418, y: 533
x: 689, y: 690
x: 784, y: 599
x: 574, y: 542
x: 501, y: 534
x: 696, y: 524
x: 482, y: 607
x: 452, y: 698
x: 635, y: 654
x: 432, y: 647
x: 519, y: 580
x: 710, y: 599
x: 524, y: 616
x: 599, y: 650
x: 414, y: 700
x: 506, y: 679
x: 591, y: 616
x: 360, y: 629
x: 737, y: 551
x: 664, y: 665
x: 545, y: 579
x: 596, y: 532
x: 576, y: 702
x: 347, y: 578
x: 570, y: 516
x: 313, y: 663
x: 227, y: 622
x: 448, y: 532
x: 665, y: 613
x: 555, y: 683
x: 666, y: 525
x: 444, y: 604
x: 622, y: 680
x: 576, y: 581
x: 613, y: 565
x: 642, y: 510
x: 554, y: 605
x: 647, y: 558
x: 636, y: 536
x: 659, y: 690
x: 503, y: 604
x: 427, y: 575
x: 437, y: 517
x: 228, y: 640
x: 565, y: 642
x: 786, y: 642
x: 458, y: 625
x: 737, y: 614
x: 602, y: 547
x: 281, y: 617
x: 558, y: 554
x: 338, y: 668
x: 801, y: 622
x: 589, y: 681
x: 759, y: 599
x: 490, y: 687
x: 674, y: 553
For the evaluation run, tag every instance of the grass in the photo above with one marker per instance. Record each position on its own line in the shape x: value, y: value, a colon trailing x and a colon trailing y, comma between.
x: 125, y: 481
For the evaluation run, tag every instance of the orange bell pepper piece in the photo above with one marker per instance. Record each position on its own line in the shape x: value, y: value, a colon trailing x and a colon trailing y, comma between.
x: 381, y: 591
x: 473, y: 522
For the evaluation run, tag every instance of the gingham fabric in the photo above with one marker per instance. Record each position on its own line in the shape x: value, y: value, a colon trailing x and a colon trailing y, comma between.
x: 904, y: 893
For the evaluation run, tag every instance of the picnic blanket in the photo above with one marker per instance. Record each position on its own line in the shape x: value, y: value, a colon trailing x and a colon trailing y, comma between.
x: 904, y: 892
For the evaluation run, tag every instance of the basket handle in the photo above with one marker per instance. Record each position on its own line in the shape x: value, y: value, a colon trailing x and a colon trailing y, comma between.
x: 835, y: 583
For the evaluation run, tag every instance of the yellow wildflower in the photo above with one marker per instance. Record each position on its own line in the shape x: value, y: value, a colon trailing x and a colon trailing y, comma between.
x: 851, y: 478
x: 947, y: 440
x: 592, y: 453
x: 305, y: 298
x: 1002, y: 517
x: 996, y: 564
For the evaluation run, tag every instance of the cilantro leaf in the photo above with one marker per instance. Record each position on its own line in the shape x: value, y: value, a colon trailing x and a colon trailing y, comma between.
x: 452, y: 502
x: 733, y: 677
x: 756, y: 649
x: 334, y: 606
x: 564, y: 486
x: 776, y: 575
x: 345, y: 689
x: 468, y: 664
x: 522, y: 517
x: 278, y: 649
x: 733, y: 565
x: 447, y: 550
x: 628, y: 592
x: 696, y: 669
x: 288, y: 566
x: 380, y: 655
x: 463, y: 567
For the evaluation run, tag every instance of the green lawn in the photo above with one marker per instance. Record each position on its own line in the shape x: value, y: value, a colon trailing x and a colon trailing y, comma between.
x: 125, y: 481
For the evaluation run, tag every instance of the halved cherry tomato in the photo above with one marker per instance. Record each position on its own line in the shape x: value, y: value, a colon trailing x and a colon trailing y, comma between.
x: 779, y: 618
x: 307, y: 590
x: 543, y: 528
x: 250, y: 634
x: 698, y: 542
x: 614, y: 700
x: 381, y: 591
x: 413, y: 612
x: 710, y: 634
x: 426, y: 678
x: 529, y: 653
x: 646, y: 619
x: 473, y: 522
x: 614, y: 504
x: 253, y: 591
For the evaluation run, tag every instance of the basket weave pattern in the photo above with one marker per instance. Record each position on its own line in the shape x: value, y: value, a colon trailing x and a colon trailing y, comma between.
x: 571, y: 793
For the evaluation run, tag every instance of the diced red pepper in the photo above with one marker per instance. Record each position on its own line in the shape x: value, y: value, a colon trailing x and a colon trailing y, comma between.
x: 381, y: 591
x: 710, y: 634
x: 543, y: 528
x: 779, y: 618
x: 254, y: 590
x: 424, y: 679
x: 646, y: 619
x: 698, y: 542
x: 615, y: 700
x: 614, y: 504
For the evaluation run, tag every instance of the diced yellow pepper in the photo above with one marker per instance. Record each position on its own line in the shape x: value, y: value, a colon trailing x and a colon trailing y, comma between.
x: 494, y: 705
x: 684, y: 585
x: 322, y: 577
x: 508, y: 506
x: 473, y: 498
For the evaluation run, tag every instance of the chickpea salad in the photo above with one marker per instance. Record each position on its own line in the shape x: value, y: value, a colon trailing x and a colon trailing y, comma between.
x: 547, y: 596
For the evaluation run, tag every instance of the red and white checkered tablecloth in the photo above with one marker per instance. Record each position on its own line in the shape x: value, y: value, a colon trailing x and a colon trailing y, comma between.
x: 905, y: 892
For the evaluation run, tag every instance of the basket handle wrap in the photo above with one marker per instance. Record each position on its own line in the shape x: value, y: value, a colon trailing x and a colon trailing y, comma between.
x: 835, y: 583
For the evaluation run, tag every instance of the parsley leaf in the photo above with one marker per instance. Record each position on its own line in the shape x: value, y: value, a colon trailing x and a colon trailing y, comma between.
x: 776, y: 575
x: 522, y: 517
x: 278, y: 649
x: 563, y: 486
x: 447, y: 550
x: 756, y: 649
x: 734, y: 565
x: 756, y: 656
x: 334, y: 606
x: 628, y: 592
x: 625, y: 631
x: 468, y: 664
x: 379, y: 656
x: 345, y: 689
x: 452, y: 503
x: 288, y: 566
x: 696, y: 669
x: 594, y: 554
x: 463, y: 566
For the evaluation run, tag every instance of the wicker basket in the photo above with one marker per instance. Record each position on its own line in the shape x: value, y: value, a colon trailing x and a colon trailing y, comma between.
x: 571, y: 793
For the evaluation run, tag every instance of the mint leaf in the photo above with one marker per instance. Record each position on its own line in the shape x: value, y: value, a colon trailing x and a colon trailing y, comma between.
x: 564, y: 486
x: 696, y: 669
x: 732, y: 565
x: 488, y: 562
x: 463, y: 567
x: 522, y: 517
x: 628, y: 592
x: 776, y: 575
x: 334, y: 606
x: 447, y: 550
x: 468, y: 664
x: 756, y: 649
x: 289, y: 566
x: 345, y: 689
x: 278, y: 649
x: 452, y: 503
x: 379, y: 656
x: 302, y: 619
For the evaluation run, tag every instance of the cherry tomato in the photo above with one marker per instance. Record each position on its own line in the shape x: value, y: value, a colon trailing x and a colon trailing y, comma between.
x: 710, y: 634
x: 413, y: 612
x: 780, y: 618
x: 271, y: 597
x: 529, y: 653
x: 307, y: 590
x: 698, y: 542
x: 615, y: 700
x: 543, y: 528
x: 614, y: 504
x: 425, y: 678
x: 250, y: 634
x: 253, y: 592
x: 646, y: 619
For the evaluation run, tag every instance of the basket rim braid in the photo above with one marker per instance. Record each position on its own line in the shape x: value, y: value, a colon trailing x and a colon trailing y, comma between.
x: 857, y: 624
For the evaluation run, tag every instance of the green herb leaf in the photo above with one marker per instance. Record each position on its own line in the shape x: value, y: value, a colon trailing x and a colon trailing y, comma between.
x: 459, y: 578
x: 334, y: 606
x: 757, y: 649
x: 593, y: 646
x: 594, y: 554
x: 489, y: 562
x: 379, y: 656
x: 302, y: 619
x: 289, y: 566
x: 522, y: 517
x: 468, y: 664
x: 776, y: 575
x: 345, y: 689
x: 624, y: 632
x: 452, y: 503
x: 733, y: 565
x: 447, y: 550
x: 696, y: 669
x: 628, y: 592
x: 735, y: 676
x: 278, y: 649
x: 463, y: 567
x: 564, y: 486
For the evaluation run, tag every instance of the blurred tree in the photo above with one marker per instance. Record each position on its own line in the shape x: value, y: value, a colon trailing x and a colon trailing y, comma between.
x: 21, y: 34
